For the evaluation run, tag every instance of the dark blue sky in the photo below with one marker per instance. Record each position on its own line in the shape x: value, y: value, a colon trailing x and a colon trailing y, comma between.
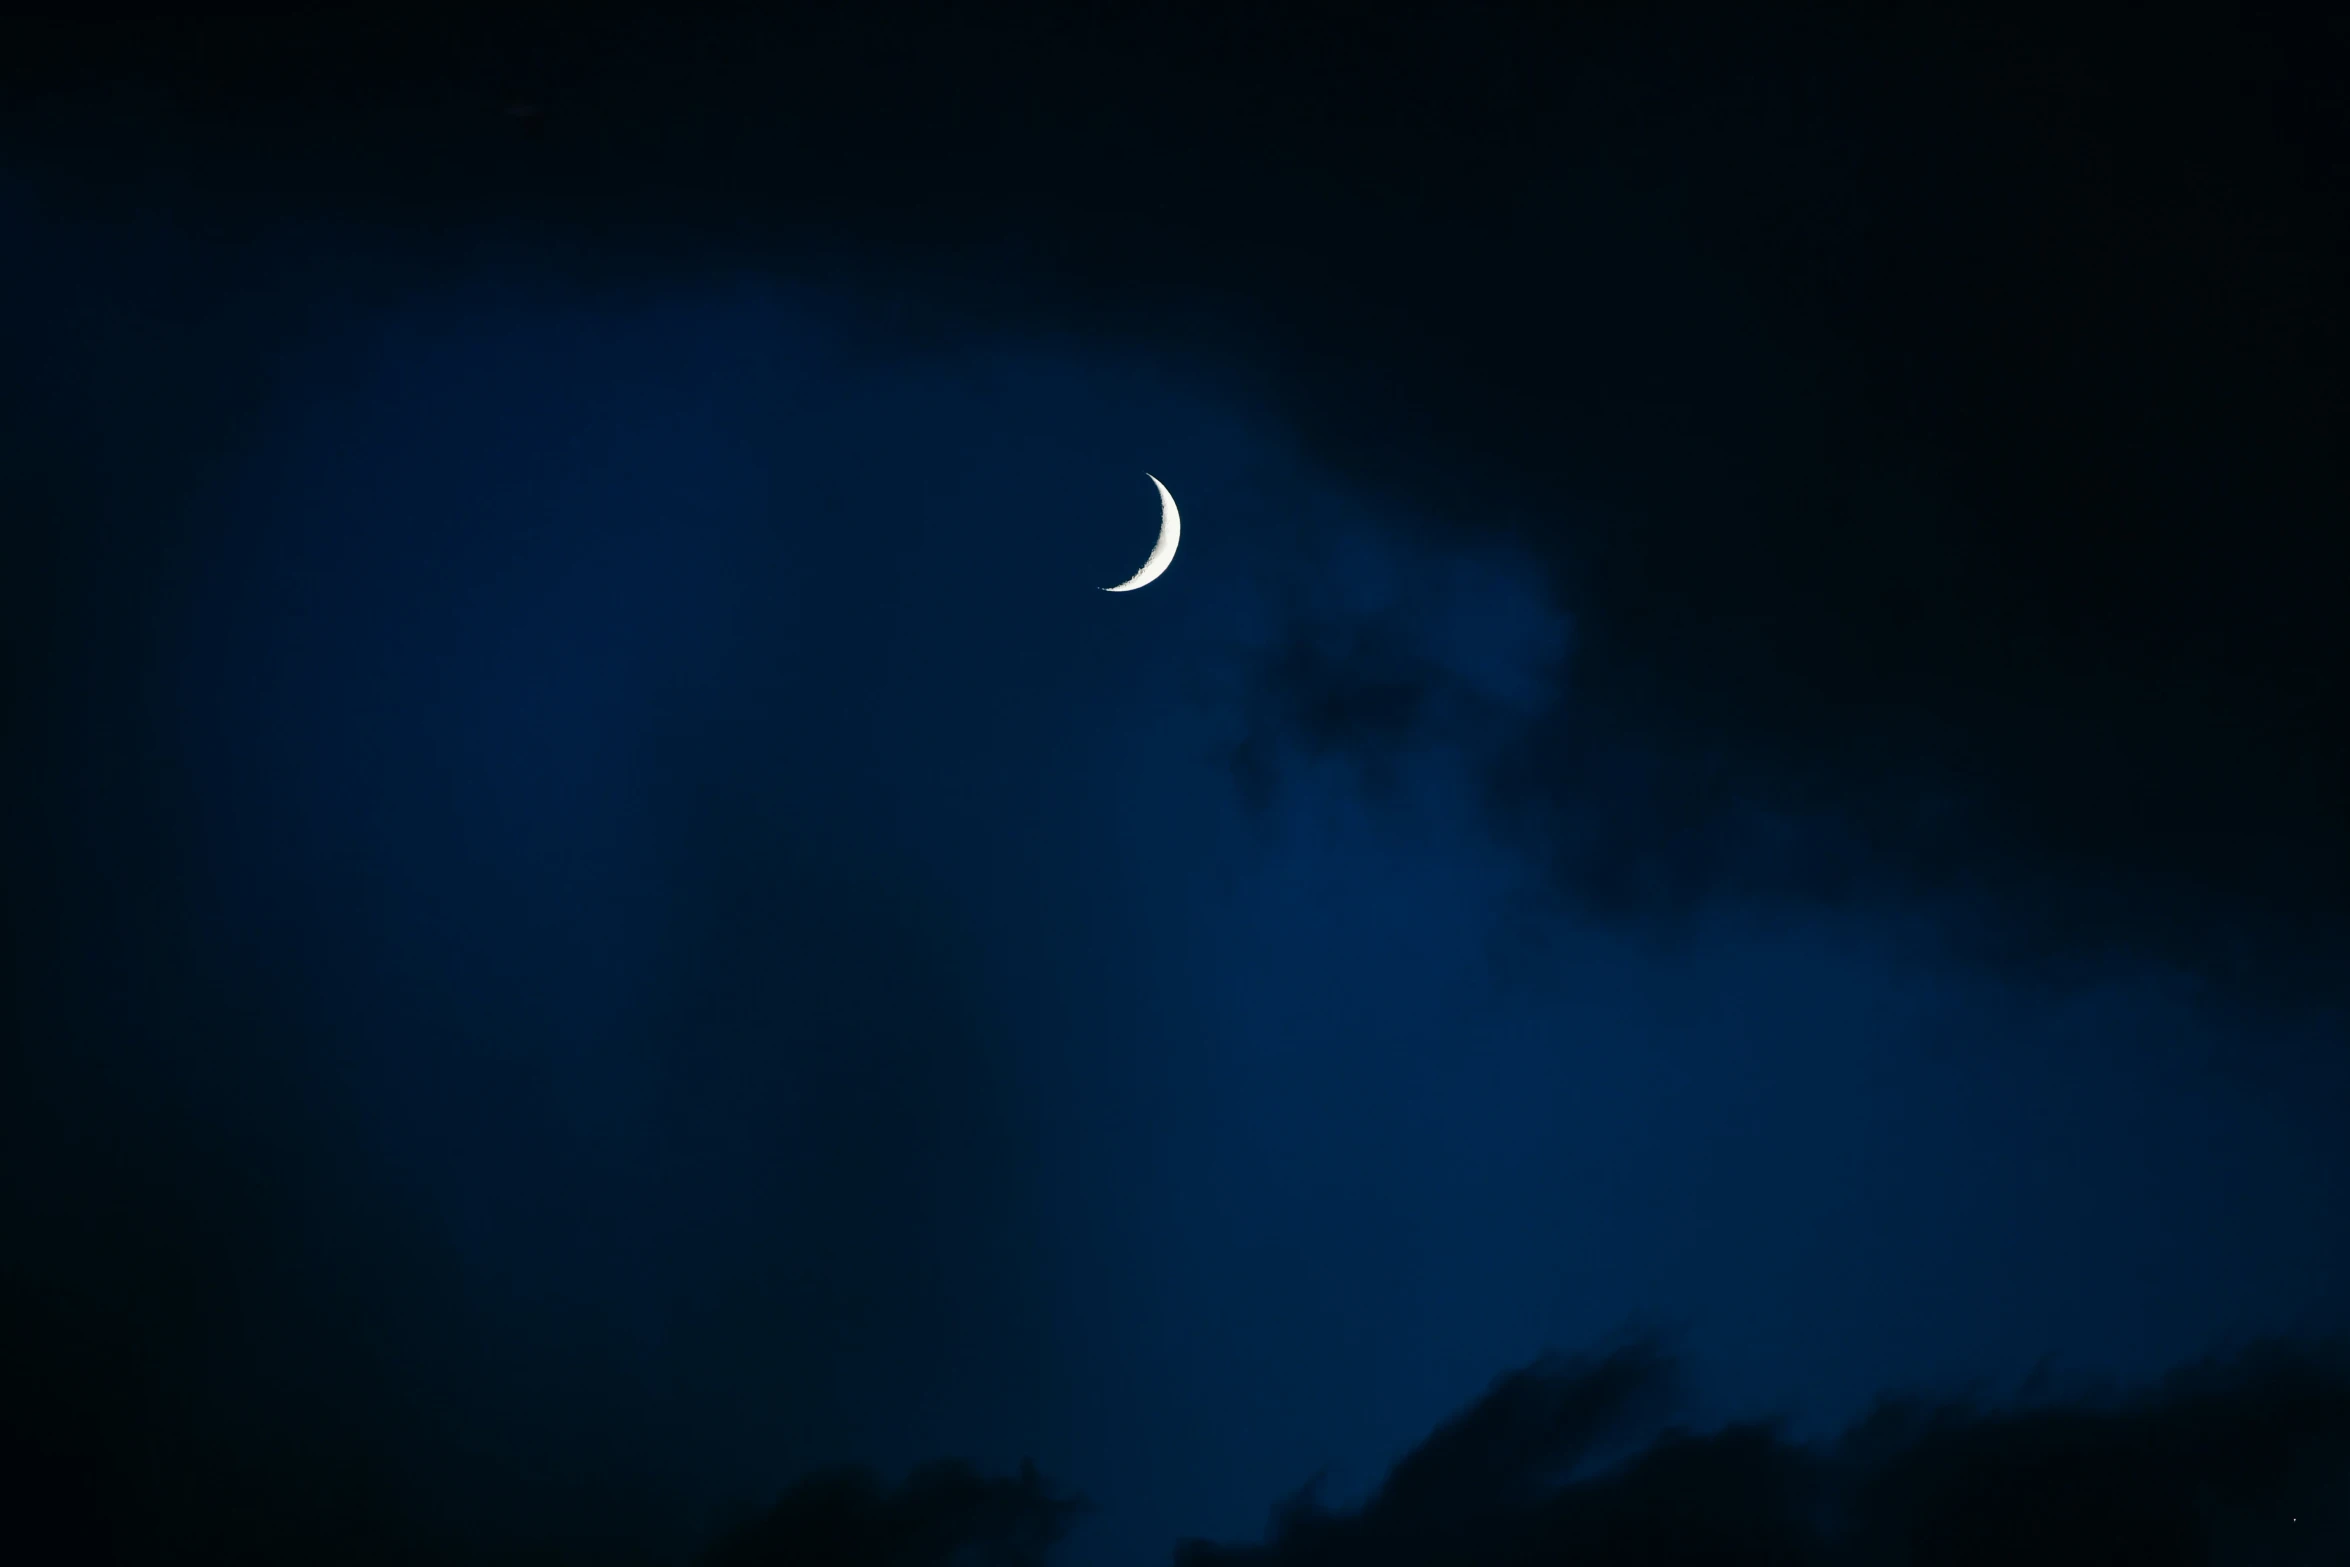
x: 605, y: 914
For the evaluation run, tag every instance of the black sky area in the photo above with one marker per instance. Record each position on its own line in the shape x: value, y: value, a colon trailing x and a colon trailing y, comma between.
x: 1952, y: 400
x: 1747, y: 757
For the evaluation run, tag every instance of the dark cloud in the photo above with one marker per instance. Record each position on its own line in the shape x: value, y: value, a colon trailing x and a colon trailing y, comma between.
x: 2242, y: 1459
x: 944, y: 1514
x: 1933, y: 430
x: 2235, y: 1461
x: 1934, y: 435
x: 1934, y: 425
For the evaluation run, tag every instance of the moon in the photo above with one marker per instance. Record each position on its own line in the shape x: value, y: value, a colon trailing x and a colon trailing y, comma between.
x: 1163, y: 552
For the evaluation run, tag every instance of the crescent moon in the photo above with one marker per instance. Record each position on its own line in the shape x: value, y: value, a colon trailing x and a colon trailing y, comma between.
x: 1163, y: 552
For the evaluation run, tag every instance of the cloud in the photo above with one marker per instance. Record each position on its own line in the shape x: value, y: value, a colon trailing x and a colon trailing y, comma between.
x: 1933, y: 433
x: 2239, y: 1459
x: 945, y: 1514
x: 2233, y: 1461
x: 1933, y: 428
x: 1939, y: 490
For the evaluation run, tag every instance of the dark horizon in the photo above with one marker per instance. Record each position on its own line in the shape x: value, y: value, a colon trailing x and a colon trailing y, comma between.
x: 1745, y: 755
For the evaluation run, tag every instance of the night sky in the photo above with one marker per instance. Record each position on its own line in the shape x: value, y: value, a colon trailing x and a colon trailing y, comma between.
x: 1737, y: 806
